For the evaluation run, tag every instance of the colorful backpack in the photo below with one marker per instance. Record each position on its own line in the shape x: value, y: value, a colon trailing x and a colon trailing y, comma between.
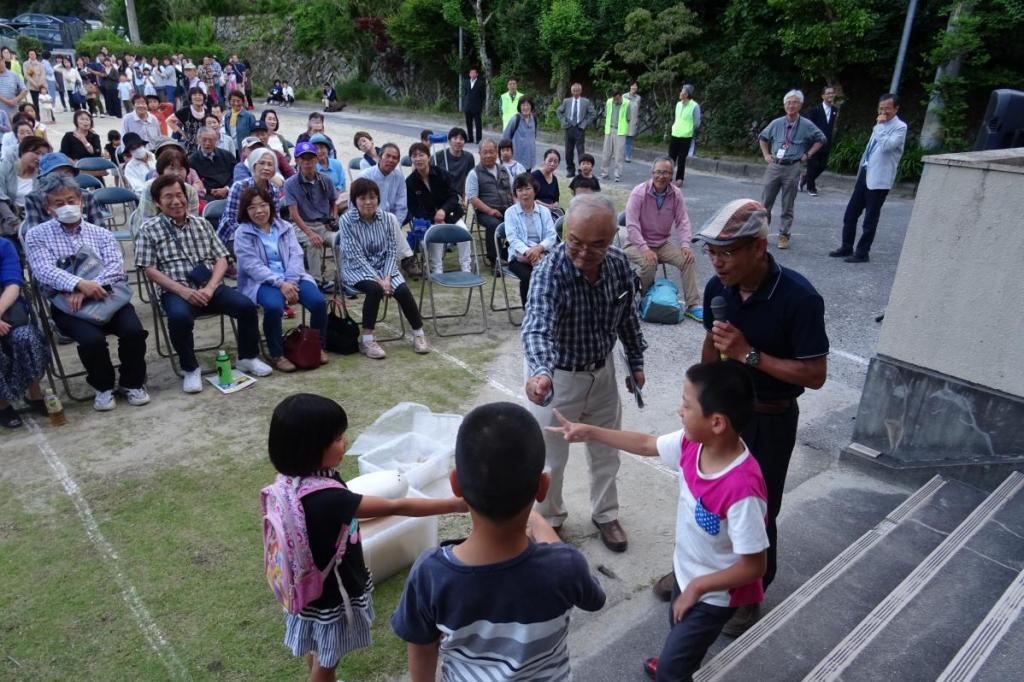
x: 287, y: 559
x: 661, y: 303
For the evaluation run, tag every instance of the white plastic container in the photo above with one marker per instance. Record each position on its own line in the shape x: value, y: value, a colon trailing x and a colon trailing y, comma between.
x: 407, y: 418
x: 420, y: 459
x: 392, y: 543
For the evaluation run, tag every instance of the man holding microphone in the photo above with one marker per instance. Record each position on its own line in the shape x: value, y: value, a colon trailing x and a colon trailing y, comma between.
x: 580, y: 304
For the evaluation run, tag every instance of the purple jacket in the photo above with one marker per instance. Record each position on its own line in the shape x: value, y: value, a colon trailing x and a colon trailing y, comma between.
x: 251, y: 258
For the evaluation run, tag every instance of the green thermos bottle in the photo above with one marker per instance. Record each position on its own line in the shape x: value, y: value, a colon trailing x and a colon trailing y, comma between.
x: 224, y: 375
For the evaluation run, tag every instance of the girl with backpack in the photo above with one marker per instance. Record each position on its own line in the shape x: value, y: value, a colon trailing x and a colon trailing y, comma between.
x: 312, y: 548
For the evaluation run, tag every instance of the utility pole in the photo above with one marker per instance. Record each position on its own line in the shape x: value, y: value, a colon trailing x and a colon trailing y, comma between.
x: 901, y: 56
x: 133, y: 22
x: 459, y: 76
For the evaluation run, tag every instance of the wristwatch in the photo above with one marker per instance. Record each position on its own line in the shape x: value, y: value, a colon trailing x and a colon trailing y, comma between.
x: 753, y: 358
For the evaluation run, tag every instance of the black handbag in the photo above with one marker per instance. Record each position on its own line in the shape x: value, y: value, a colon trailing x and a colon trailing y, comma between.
x: 342, y: 330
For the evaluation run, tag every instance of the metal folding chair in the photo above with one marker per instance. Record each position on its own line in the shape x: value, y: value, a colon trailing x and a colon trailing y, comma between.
x: 96, y: 164
x: 88, y: 182
x: 214, y: 211
x: 114, y: 200
x: 55, y: 369
x: 503, y: 272
x: 451, y: 234
x: 340, y: 288
x: 353, y: 169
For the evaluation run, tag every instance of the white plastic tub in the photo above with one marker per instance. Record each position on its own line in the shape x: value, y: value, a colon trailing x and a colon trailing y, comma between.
x: 407, y: 418
x: 392, y: 543
x: 420, y: 459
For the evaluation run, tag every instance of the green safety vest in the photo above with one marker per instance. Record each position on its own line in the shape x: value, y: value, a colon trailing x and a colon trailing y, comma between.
x: 509, y: 107
x: 683, y: 125
x: 623, y: 127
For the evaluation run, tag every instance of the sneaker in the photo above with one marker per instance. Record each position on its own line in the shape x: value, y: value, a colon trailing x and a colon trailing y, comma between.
x: 783, y: 241
x: 193, y: 381
x: 136, y: 396
x: 255, y: 366
x: 372, y: 350
x: 651, y: 667
x: 104, y: 401
x: 420, y: 344
x: 742, y: 620
x: 812, y: 192
x: 696, y: 313
x: 326, y: 286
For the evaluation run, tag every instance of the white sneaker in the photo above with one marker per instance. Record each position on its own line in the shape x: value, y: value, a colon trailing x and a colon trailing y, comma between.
x: 420, y: 344
x: 193, y: 382
x: 136, y: 396
x: 255, y: 366
x: 104, y: 401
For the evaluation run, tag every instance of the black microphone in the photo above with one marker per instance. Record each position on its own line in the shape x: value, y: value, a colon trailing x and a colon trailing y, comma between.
x: 719, y: 309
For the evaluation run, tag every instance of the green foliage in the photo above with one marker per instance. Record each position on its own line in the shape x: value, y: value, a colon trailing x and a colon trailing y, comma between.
x: 321, y: 24
x: 355, y: 90
x: 417, y: 29
x: 844, y: 156
x: 189, y: 32
x: 91, y: 41
x: 565, y: 33
x: 26, y: 43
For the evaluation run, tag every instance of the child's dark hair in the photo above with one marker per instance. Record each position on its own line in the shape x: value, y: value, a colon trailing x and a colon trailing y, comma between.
x: 113, y: 135
x: 725, y: 388
x: 499, y: 457
x: 302, y: 428
x: 589, y: 158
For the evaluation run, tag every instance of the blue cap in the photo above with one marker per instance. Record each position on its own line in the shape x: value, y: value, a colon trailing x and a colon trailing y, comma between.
x: 53, y: 161
x: 320, y: 138
x: 304, y: 148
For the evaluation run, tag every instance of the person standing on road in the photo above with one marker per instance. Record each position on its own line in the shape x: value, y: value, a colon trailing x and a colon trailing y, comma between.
x: 509, y: 102
x: 522, y: 130
x: 785, y: 143
x: 35, y: 77
x: 575, y: 114
x: 616, y: 126
x: 875, y: 178
x: 824, y: 117
x: 684, y: 126
x: 775, y: 327
x: 634, y: 118
x: 473, y: 106
x: 580, y: 303
x: 12, y: 91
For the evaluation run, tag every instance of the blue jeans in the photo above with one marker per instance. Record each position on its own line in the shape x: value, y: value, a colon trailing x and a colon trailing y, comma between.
x: 226, y: 300
x: 271, y: 300
x: 169, y: 93
x: 689, y: 639
x: 629, y: 147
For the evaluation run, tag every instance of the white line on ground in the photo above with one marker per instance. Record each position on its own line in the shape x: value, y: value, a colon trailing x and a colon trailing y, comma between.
x: 150, y: 630
x: 850, y: 356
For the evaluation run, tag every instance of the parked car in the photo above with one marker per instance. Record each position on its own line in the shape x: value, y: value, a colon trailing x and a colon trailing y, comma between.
x: 36, y: 19
x: 8, y: 37
x: 94, y: 25
x: 49, y: 37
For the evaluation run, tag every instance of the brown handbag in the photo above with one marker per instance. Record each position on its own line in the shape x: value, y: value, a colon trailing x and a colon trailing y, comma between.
x: 302, y: 347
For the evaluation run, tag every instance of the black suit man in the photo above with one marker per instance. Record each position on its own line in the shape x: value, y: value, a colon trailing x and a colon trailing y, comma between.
x: 473, y: 105
x: 824, y: 116
x: 575, y: 113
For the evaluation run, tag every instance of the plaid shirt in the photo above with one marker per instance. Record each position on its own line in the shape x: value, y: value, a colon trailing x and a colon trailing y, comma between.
x: 173, y: 250
x: 48, y: 242
x: 571, y: 321
x: 229, y: 220
x: 35, y: 209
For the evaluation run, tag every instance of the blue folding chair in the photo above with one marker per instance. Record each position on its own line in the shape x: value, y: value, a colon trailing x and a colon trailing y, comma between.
x: 214, y: 211
x: 353, y: 169
x: 503, y: 272
x: 451, y: 234
x: 97, y: 164
x: 88, y: 182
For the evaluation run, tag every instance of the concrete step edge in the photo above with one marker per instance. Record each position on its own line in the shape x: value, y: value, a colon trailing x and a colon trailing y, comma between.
x: 844, y: 653
x: 777, y: 617
x: 986, y: 637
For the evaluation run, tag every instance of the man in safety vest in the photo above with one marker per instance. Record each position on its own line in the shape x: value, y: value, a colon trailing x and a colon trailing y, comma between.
x: 510, y: 102
x: 684, y: 125
x: 616, y: 128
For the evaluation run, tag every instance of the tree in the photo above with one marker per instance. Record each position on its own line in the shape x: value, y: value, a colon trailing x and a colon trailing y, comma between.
x: 566, y: 34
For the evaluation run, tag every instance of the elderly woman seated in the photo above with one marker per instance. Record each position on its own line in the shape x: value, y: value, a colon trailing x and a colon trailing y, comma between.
x: 79, y: 298
x: 369, y: 252
x: 432, y: 197
x: 529, y: 230
x: 170, y: 160
x: 23, y: 355
x: 271, y: 272
x: 262, y: 165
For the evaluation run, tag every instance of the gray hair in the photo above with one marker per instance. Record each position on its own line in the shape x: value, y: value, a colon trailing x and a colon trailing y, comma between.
x: 487, y: 140
x: 793, y: 94
x: 257, y: 154
x: 689, y: 90
x: 207, y: 130
x: 662, y: 159
x: 51, y: 183
x: 592, y: 202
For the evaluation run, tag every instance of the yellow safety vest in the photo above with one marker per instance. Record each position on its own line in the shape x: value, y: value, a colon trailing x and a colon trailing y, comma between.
x: 623, y: 127
x: 683, y: 125
x: 509, y: 107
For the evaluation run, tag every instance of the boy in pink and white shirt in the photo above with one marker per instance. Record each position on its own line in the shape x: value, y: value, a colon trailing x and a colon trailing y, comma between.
x: 721, y: 541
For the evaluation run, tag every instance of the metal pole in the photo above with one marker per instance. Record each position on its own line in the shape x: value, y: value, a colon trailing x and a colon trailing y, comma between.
x: 459, y: 75
x: 897, y: 72
x: 133, y: 22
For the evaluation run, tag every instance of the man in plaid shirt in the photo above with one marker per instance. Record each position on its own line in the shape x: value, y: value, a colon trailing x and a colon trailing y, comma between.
x: 182, y: 255
x: 65, y: 236
x: 35, y: 202
x: 580, y: 304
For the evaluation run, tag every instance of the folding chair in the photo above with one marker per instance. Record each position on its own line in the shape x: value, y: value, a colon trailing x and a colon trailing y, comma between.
x: 353, y: 165
x: 503, y: 272
x: 406, y: 161
x: 41, y: 316
x: 451, y: 234
x: 559, y: 224
x: 163, y: 336
x: 112, y: 198
x: 340, y: 289
x: 214, y: 211
x: 96, y: 164
x: 88, y: 182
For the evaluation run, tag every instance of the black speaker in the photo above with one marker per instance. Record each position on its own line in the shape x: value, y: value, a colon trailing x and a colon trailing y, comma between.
x: 1003, y: 126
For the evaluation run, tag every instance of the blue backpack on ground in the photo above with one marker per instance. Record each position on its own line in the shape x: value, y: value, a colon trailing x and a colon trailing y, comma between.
x: 661, y: 303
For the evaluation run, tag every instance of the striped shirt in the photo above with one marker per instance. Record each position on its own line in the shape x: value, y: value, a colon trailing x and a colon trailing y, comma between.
x: 368, y: 250
x: 10, y: 85
x: 174, y: 250
x: 571, y: 321
x: 48, y: 242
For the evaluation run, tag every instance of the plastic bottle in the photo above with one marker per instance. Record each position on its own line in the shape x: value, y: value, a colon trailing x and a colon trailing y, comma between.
x: 224, y: 374
x: 54, y: 408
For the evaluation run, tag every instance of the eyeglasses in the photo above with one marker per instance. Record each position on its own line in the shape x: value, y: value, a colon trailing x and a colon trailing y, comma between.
x: 724, y: 254
x: 576, y: 245
x: 661, y: 172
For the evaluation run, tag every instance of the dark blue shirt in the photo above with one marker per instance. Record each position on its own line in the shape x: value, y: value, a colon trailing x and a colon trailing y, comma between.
x: 784, y: 318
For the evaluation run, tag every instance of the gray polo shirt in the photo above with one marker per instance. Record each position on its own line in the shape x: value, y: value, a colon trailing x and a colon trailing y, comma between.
x: 313, y: 197
x: 10, y: 85
x: 801, y: 136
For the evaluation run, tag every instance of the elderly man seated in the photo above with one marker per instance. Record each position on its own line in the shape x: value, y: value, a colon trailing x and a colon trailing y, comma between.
x: 489, y: 190
x: 214, y: 165
x: 394, y: 200
x: 81, y: 269
x: 35, y: 202
x: 311, y: 200
x: 654, y: 210
x: 433, y: 198
x: 181, y: 255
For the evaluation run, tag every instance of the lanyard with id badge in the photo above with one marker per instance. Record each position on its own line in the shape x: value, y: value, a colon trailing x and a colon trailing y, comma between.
x: 780, y: 154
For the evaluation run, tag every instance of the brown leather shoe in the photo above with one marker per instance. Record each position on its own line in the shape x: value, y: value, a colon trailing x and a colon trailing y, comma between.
x: 663, y: 587
x: 612, y: 535
x: 742, y: 620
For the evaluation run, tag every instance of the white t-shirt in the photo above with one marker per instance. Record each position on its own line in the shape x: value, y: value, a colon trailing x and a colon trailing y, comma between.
x: 720, y: 517
x: 24, y: 187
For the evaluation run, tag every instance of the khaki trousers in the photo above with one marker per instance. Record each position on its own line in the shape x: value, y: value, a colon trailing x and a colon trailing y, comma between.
x: 593, y: 398
x: 314, y: 257
x: 673, y: 255
x: 786, y: 178
x: 614, y: 150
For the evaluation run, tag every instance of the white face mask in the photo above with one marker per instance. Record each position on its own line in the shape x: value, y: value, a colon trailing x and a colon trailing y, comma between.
x: 68, y: 214
x: 139, y: 153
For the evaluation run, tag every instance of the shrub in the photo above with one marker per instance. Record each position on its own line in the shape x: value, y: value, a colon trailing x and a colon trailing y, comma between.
x: 26, y: 43
x: 355, y: 90
x: 846, y: 152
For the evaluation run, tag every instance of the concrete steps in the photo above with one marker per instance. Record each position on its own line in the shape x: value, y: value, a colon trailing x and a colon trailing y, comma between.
x: 903, y: 599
